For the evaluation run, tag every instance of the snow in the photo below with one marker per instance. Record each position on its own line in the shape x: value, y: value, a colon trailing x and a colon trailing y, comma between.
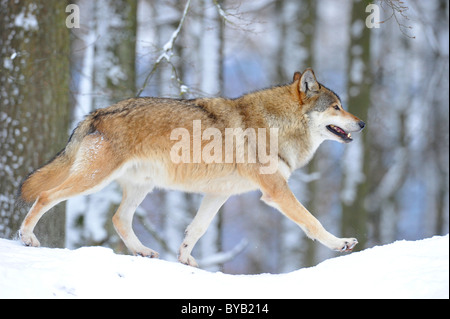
x: 26, y: 19
x: 403, y: 269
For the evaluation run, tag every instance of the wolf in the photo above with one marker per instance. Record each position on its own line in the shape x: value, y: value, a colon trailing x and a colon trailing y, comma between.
x: 130, y: 143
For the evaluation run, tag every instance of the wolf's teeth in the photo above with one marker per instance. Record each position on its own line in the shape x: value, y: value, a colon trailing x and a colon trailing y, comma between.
x: 349, y: 135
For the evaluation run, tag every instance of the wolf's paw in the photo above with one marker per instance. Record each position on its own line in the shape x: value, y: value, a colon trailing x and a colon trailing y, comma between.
x: 29, y: 239
x: 347, y: 244
x: 146, y: 252
x: 189, y: 260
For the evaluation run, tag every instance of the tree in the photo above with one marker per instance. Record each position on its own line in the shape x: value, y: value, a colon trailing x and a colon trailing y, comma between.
x: 356, y: 174
x: 34, y: 104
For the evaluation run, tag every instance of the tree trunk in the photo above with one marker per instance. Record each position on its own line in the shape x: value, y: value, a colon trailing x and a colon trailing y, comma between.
x: 34, y: 105
x: 356, y: 173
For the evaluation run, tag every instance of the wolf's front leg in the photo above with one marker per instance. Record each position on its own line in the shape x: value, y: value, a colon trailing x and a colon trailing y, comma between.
x: 208, y: 209
x: 276, y: 193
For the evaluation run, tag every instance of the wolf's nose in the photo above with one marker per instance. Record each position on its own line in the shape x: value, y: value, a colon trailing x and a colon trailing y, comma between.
x: 361, y: 124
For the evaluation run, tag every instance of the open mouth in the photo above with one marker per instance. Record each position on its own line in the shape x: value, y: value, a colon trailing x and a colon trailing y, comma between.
x: 346, y: 137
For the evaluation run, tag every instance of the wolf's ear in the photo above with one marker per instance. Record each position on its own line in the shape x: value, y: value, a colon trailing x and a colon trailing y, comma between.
x: 297, y: 76
x: 308, y: 83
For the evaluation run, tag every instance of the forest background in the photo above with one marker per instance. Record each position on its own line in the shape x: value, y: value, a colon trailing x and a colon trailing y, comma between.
x: 391, y: 183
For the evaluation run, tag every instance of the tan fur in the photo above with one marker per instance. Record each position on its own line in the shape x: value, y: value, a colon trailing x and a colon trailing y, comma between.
x: 130, y: 142
x: 45, y: 178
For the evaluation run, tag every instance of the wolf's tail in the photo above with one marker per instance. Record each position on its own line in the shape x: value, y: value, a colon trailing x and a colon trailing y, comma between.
x: 47, y: 177
x: 55, y: 171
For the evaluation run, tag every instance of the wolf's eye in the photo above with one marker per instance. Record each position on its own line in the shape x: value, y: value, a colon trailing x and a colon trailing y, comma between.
x: 336, y: 107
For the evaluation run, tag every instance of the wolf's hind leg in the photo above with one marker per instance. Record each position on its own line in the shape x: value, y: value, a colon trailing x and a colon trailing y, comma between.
x: 89, y: 173
x: 39, y: 208
x: 74, y: 185
x: 208, y: 209
x: 133, y: 195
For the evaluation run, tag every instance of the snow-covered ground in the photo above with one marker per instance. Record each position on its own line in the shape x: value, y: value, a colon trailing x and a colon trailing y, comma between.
x: 404, y: 269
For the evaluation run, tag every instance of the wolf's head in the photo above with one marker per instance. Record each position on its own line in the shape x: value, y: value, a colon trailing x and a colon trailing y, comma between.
x: 327, y: 119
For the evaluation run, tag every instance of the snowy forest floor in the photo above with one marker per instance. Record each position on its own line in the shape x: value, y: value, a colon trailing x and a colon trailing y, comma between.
x: 404, y: 269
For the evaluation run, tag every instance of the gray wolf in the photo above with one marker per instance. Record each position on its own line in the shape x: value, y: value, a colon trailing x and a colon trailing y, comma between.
x: 132, y: 142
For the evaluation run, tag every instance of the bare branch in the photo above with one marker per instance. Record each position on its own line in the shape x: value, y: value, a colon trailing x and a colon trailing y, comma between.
x: 145, y: 222
x: 167, y: 55
x: 168, y: 47
x: 221, y: 12
x: 399, y: 10
x: 223, y: 257
x: 216, y: 259
x: 227, y: 16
